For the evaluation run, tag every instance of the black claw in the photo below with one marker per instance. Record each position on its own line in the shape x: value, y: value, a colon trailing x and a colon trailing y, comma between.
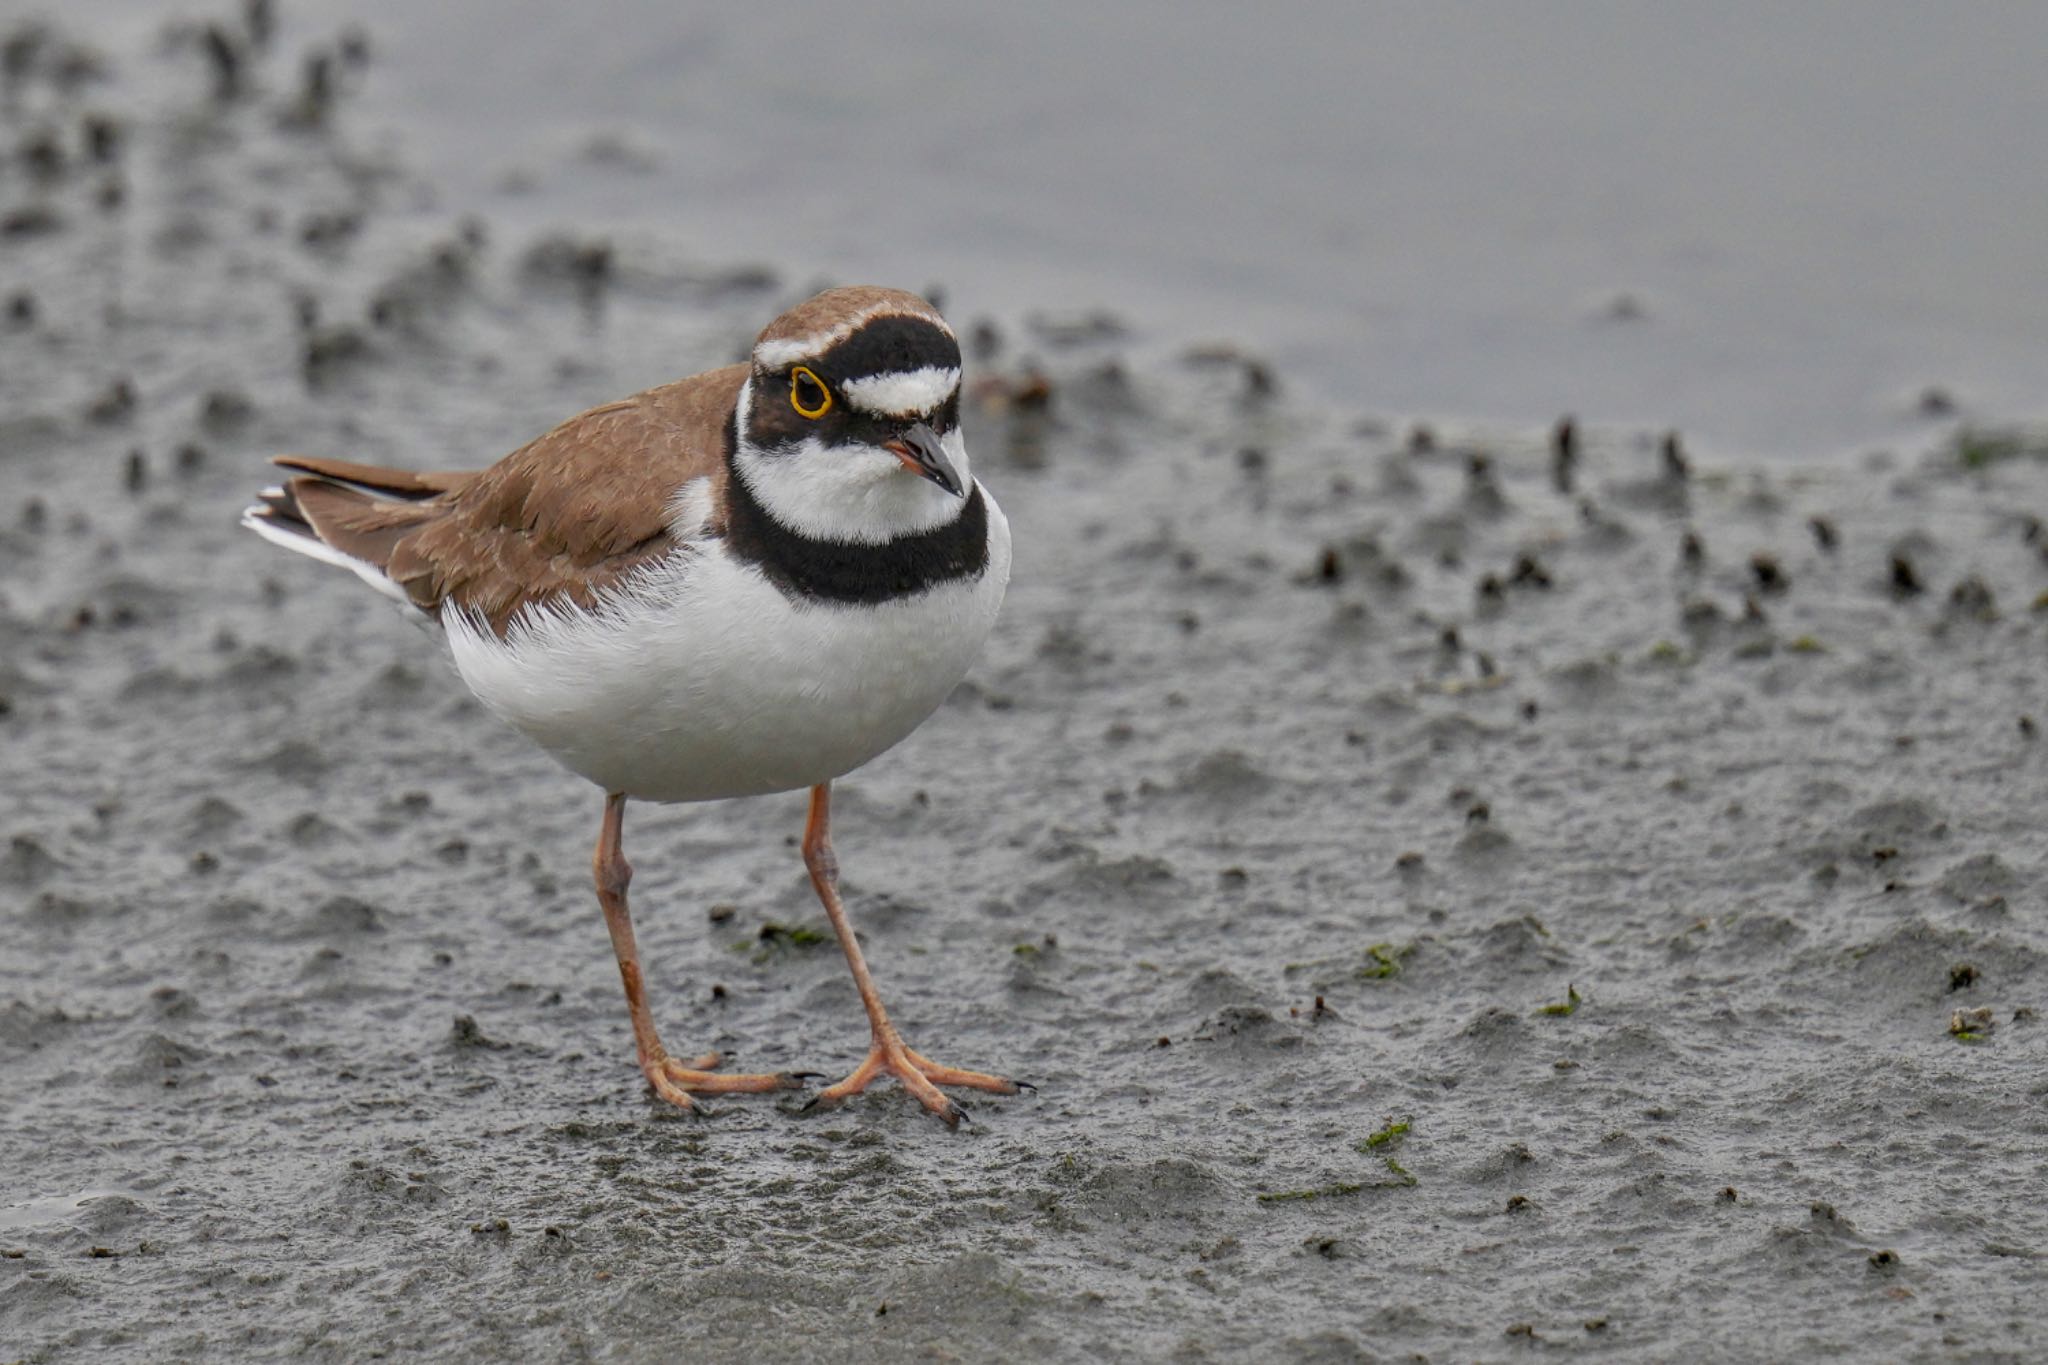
x: 959, y: 1116
x: 808, y: 1105
x: 804, y: 1075
x: 1025, y: 1085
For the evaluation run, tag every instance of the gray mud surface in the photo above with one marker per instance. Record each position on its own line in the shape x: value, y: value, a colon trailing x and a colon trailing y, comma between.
x: 1442, y: 917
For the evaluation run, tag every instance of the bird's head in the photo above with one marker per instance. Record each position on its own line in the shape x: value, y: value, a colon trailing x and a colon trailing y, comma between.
x: 849, y: 426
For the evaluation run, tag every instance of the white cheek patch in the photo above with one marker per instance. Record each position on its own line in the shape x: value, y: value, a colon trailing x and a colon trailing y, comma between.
x: 855, y: 495
x: 902, y: 393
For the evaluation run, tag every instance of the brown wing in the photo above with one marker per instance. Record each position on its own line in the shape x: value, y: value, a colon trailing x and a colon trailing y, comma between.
x: 563, y: 517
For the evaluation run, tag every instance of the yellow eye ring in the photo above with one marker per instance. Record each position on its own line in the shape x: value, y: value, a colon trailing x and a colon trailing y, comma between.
x: 808, y: 394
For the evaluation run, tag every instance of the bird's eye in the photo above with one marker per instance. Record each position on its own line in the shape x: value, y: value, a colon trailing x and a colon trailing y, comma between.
x: 808, y: 394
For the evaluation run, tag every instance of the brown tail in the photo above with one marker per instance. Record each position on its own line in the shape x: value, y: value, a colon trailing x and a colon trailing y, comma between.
x: 350, y: 515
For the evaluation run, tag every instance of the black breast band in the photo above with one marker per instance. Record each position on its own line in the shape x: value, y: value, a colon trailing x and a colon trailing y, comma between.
x: 834, y: 571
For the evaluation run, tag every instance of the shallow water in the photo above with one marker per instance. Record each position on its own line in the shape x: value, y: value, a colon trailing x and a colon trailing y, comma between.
x: 1320, y: 780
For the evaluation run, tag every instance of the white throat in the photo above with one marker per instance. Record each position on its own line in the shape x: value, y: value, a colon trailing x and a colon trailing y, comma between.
x: 855, y: 494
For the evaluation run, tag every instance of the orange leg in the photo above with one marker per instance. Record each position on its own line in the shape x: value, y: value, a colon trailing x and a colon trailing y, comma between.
x: 673, y: 1080
x: 888, y: 1053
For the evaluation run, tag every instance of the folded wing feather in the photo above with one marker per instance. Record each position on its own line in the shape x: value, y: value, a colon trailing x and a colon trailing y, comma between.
x: 561, y: 520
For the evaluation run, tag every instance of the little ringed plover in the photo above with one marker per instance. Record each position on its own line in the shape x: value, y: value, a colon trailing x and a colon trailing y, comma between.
x: 751, y: 580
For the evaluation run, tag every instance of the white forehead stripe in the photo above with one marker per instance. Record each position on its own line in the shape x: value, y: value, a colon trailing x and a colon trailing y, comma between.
x: 773, y: 355
x: 902, y: 393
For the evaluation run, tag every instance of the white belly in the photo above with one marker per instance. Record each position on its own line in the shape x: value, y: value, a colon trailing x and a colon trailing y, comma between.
x: 706, y: 682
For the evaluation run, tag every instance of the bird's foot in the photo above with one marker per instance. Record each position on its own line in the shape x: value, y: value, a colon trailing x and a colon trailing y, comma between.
x: 918, y: 1074
x: 676, y: 1080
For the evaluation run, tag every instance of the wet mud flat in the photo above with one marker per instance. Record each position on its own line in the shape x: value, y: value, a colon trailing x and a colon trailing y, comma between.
x: 1460, y: 892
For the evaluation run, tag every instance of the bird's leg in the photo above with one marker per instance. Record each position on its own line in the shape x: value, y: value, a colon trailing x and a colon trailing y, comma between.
x: 888, y: 1053
x: 673, y: 1080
